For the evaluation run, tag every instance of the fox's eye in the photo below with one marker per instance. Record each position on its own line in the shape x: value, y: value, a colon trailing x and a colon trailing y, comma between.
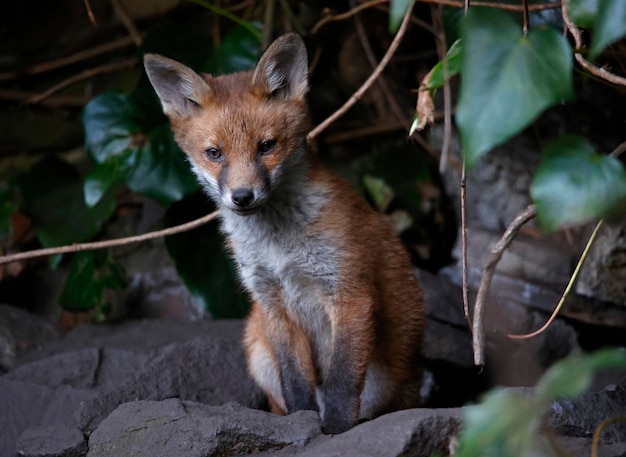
x: 267, y: 146
x: 213, y: 154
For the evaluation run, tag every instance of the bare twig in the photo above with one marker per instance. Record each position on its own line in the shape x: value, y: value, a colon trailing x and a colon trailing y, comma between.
x: 270, y: 7
x: 366, y: 85
x: 82, y: 76
x: 382, y: 82
x: 572, y: 280
x: 92, y: 17
x: 594, y: 70
x: 501, y: 6
x: 347, y: 15
x: 465, y: 282
x: 525, y: 26
x: 490, y: 267
x: 568, y: 289
x: 109, y: 243
x: 596, y: 435
x: 54, y: 101
x: 79, y: 56
x: 442, y: 48
x: 128, y: 23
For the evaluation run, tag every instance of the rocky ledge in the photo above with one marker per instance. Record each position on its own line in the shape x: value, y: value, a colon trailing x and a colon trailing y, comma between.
x: 172, y: 388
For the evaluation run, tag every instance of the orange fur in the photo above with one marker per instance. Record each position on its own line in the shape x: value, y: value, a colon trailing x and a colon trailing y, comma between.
x: 337, y: 317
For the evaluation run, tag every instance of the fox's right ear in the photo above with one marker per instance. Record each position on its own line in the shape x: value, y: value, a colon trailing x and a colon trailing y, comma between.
x: 180, y: 89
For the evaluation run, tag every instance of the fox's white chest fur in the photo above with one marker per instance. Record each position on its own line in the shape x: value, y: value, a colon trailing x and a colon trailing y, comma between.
x: 284, y: 264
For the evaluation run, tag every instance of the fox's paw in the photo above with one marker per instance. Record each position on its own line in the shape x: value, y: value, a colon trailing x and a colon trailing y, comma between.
x: 333, y: 425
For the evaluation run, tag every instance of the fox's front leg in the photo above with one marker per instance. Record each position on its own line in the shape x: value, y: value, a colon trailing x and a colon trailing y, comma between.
x: 353, y: 338
x: 279, y: 358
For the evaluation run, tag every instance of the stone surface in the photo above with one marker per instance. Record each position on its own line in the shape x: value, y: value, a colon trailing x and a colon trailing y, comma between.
x: 410, y: 433
x: 603, y: 275
x: 174, y: 428
x: 21, y: 331
x: 580, y: 417
x: 52, y: 441
x: 78, y: 380
x: 211, y: 371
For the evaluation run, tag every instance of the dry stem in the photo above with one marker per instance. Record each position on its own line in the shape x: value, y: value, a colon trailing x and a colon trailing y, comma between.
x: 366, y: 85
x: 74, y: 58
x: 594, y: 70
x: 490, y: 268
x: 109, y: 243
x: 82, y: 76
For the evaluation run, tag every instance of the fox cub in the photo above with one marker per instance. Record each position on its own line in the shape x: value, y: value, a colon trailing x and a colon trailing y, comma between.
x: 337, y: 317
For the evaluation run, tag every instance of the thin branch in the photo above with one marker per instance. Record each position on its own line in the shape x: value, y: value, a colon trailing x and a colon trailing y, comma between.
x: 347, y: 15
x: 127, y: 22
x: 109, y: 243
x: 382, y: 82
x: 78, y: 101
x: 442, y: 49
x: 568, y: 289
x: 78, y: 57
x: 490, y: 267
x: 270, y: 7
x: 464, y: 273
x: 578, y: 40
x: 366, y: 85
x: 595, y: 442
x: 525, y: 26
x: 103, y: 69
x: 572, y: 280
x: 501, y: 6
x: 92, y: 17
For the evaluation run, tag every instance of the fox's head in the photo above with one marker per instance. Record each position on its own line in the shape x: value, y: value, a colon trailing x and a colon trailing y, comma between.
x: 244, y: 133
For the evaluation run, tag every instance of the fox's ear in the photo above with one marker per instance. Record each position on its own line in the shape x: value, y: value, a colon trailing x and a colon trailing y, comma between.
x: 180, y: 89
x: 283, y: 69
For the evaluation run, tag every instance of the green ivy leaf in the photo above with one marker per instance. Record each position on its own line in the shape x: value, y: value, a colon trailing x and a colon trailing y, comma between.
x: 160, y: 170
x: 453, y: 57
x: 610, y: 25
x: 149, y: 162
x: 574, y: 184
x: 507, y: 422
x: 504, y: 424
x: 202, y: 262
x: 582, y: 12
x: 91, y: 274
x: 52, y: 195
x: 379, y: 191
x: 572, y: 376
x: 397, y: 10
x: 239, y: 51
x: 109, y: 122
x: 100, y: 179
x: 507, y: 79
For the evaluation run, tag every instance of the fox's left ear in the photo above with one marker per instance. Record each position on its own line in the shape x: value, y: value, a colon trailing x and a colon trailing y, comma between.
x: 283, y: 69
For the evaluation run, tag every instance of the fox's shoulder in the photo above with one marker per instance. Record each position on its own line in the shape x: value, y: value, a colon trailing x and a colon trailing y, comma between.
x: 345, y: 209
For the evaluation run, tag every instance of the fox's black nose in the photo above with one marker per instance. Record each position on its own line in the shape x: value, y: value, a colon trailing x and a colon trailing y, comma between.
x: 243, y: 197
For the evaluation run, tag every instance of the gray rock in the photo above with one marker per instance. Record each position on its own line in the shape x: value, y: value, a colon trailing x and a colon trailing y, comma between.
x: 21, y: 331
x: 25, y: 405
x: 78, y: 381
x: 172, y: 428
x: 52, y: 441
x: 137, y: 336
x: 211, y: 371
x: 581, y: 416
x: 409, y: 433
x: 582, y: 446
x: 603, y: 275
